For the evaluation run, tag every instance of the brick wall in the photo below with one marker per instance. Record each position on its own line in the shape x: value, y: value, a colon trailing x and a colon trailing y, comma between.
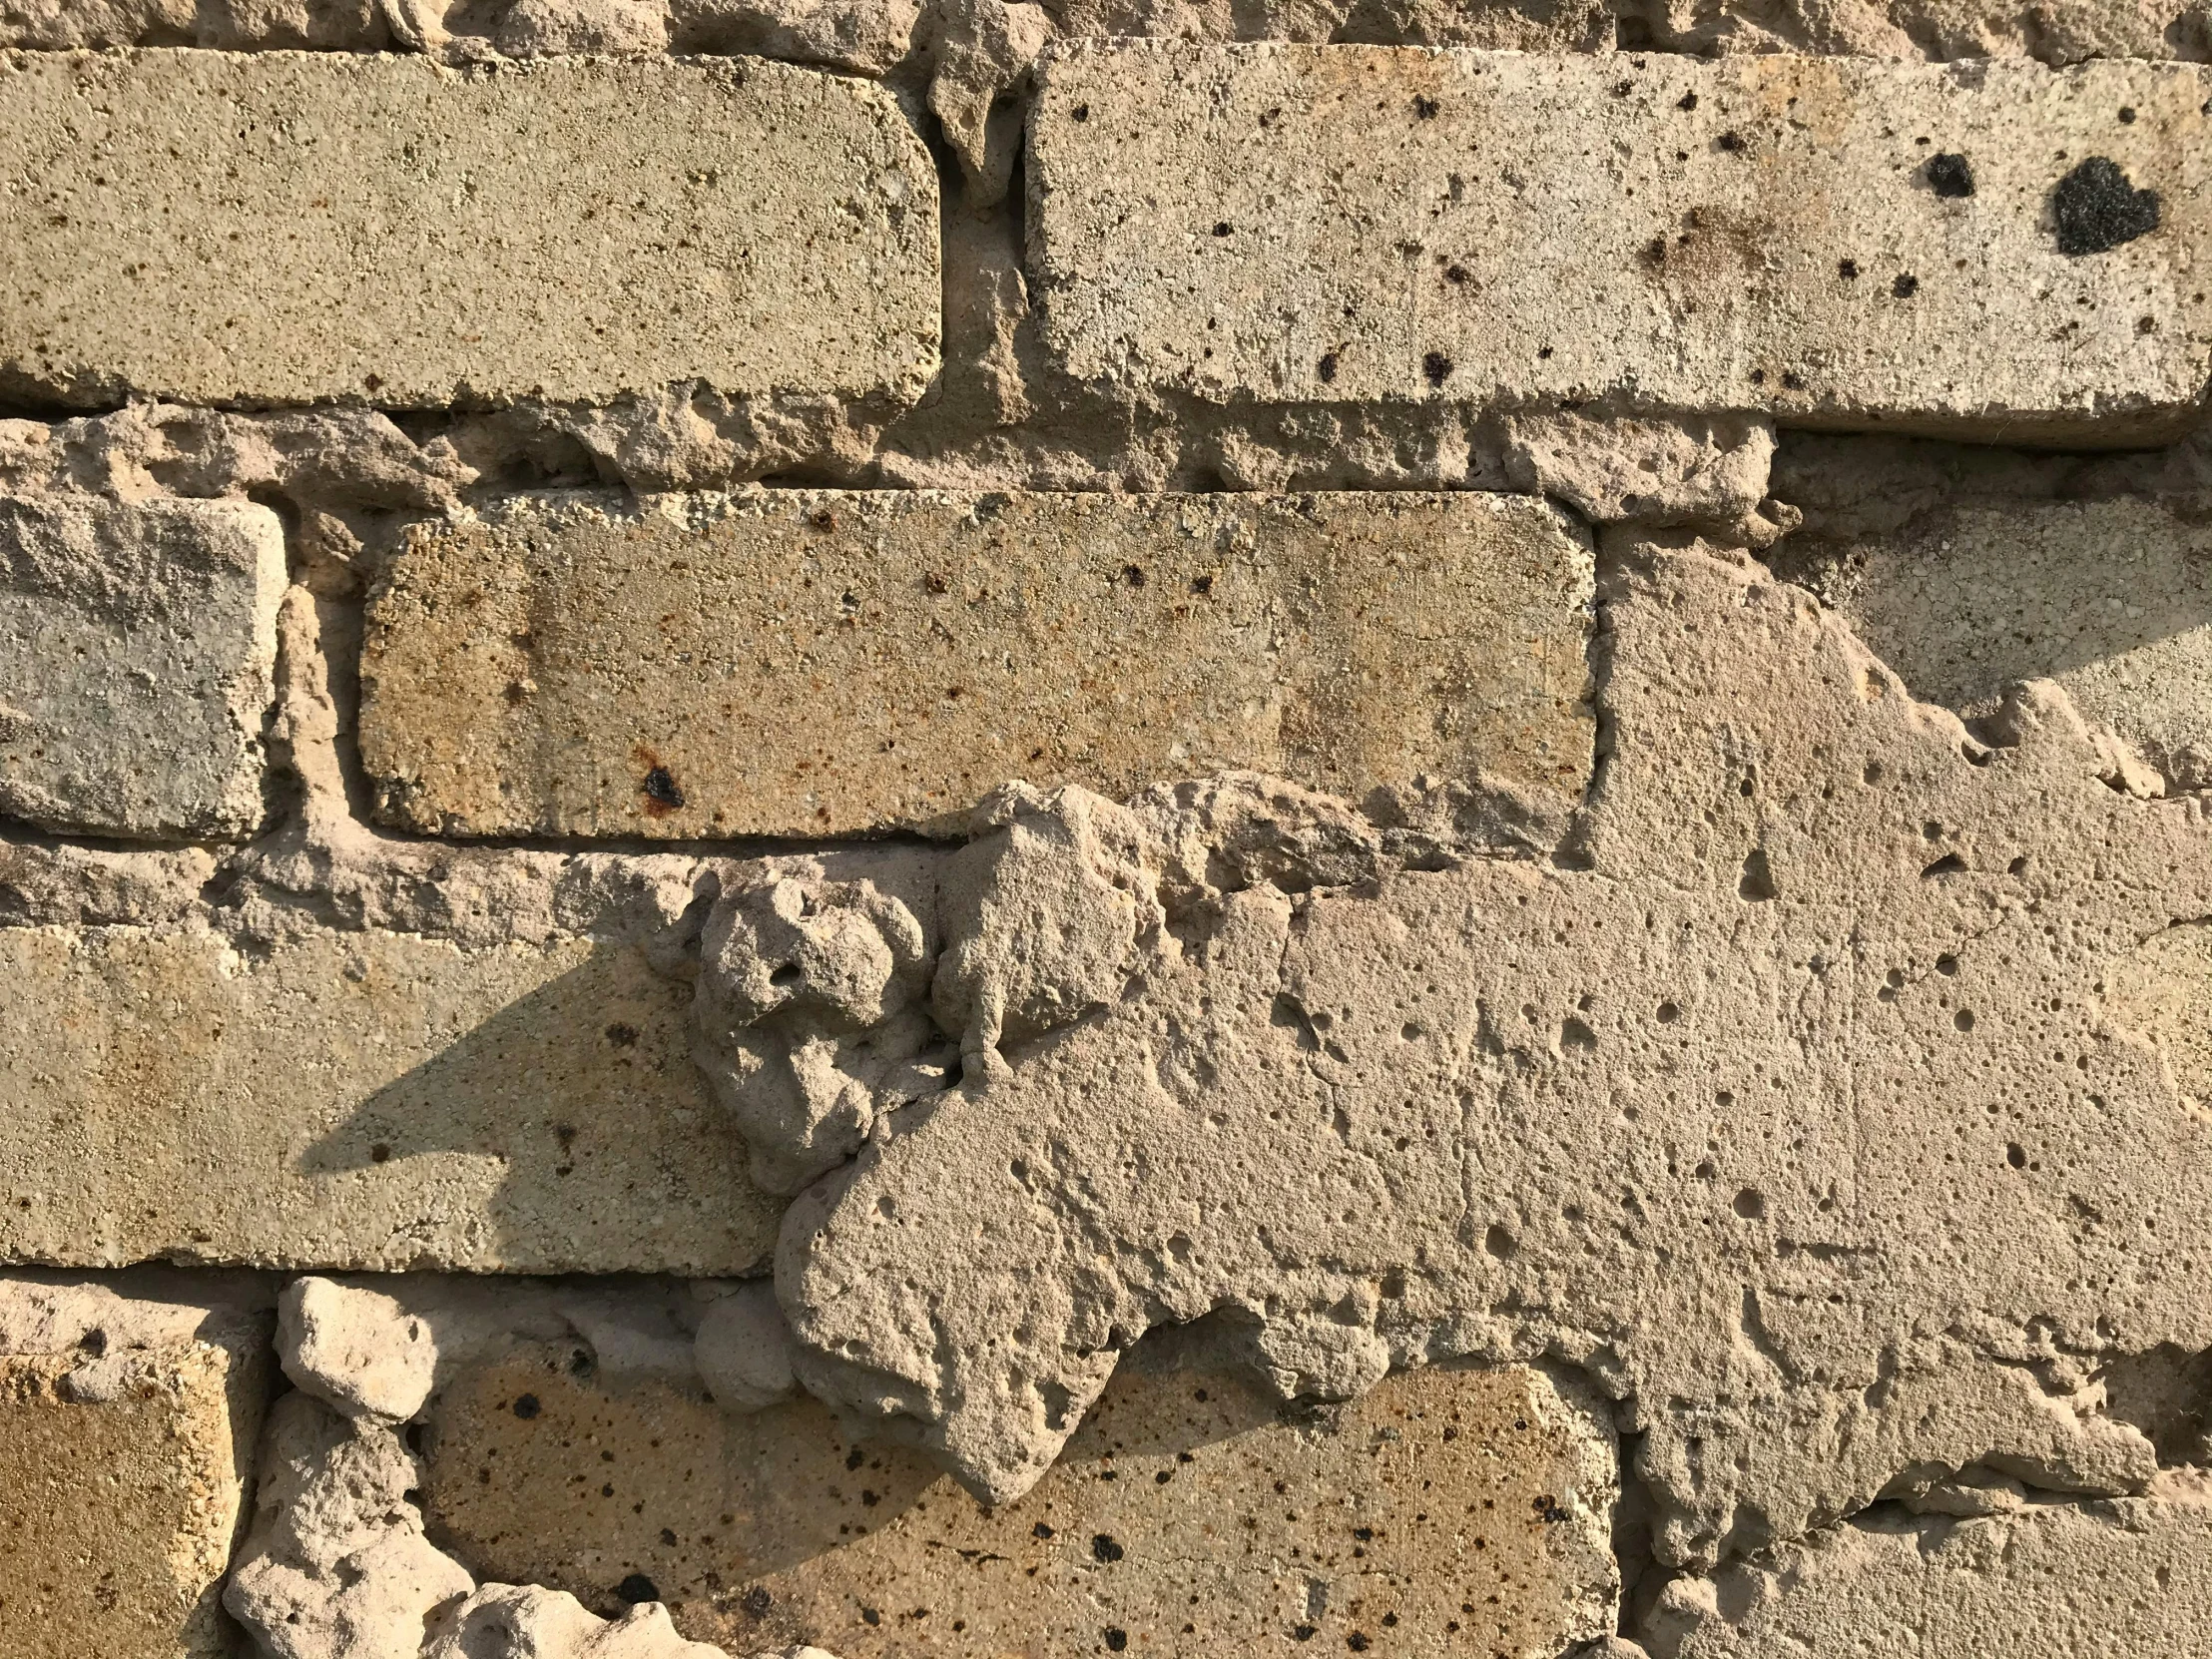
x: 1062, y: 828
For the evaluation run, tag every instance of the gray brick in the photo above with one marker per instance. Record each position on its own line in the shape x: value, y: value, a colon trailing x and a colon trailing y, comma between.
x: 137, y: 646
x: 286, y: 228
x: 1324, y: 223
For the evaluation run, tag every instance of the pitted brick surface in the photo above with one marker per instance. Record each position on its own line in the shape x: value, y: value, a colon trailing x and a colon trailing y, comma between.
x: 795, y: 663
x: 368, y: 1100
x: 318, y: 227
x: 1334, y: 224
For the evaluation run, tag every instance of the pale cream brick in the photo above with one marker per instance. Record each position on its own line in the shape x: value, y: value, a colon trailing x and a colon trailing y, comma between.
x: 1447, y: 1512
x: 138, y: 645
x: 1760, y: 232
x: 127, y: 1412
x: 786, y: 663
x: 359, y: 1100
x: 285, y: 228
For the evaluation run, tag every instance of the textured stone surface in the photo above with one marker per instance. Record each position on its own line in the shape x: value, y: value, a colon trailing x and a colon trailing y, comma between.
x: 1446, y: 1511
x: 2132, y: 1576
x: 1789, y: 1102
x: 1324, y: 223
x: 128, y: 1412
x: 358, y: 1100
x: 329, y: 227
x: 336, y: 1566
x: 2111, y: 598
x: 137, y: 647
x: 792, y: 663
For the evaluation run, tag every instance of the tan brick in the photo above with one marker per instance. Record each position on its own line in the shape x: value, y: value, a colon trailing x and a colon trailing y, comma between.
x: 2112, y: 599
x: 285, y: 228
x: 359, y: 1100
x: 1327, y: 222
x: 138, y: 644
x: 1446, y: 1511
x: 782, y: 663
x: 126, y: 1435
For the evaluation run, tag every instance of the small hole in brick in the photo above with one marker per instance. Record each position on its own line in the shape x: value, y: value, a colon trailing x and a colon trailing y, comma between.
x: 1906, y: 285
x: 379, y: 1153
x: 1435, y: 367
x: 1688, y: 101
x: 1848, y: 270
x: 526, y: 1406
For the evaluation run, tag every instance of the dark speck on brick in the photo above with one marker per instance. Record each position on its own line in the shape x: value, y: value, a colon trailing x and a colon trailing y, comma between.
x: 1906, y: 285
x: 526, y: 1406
x: 1116, y: 1639
x: 1326, y: 368
x: 636, y: 1588
x: 1223, y: 229
x: 1687, y: 102
x: 1425, y: 107
x: 661, y: 789
x: 1950, y: 176
x: 1104, y: 1550
x: 2095, y: 208
x: 1436, y: 368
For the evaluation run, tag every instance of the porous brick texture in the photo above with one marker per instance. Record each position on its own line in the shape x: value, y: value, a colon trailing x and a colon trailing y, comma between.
x: 893, y: 828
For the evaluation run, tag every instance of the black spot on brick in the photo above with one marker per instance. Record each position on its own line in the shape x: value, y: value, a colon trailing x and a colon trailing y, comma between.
x: 1950, y: 176
x: 1104, y: 1550
x: 854, y: 1458
x: 1436, y: 368
x: 2096, y: 208
x: 869, y: 1615
x: 1455, y: 274
x: 379, y: 1153
x: 1424, y: 109
x: 1303, y: 1632
x: 1326, y: 368
x: 2127, y: 116
x: 1906, y: 285
x: 1116, y: 1639
x: 622, y: 1036
x: 1223, y: 229
x: 1040, y: 1530
x: 1081, y: 112
x: 1848, y: 270
x: 526, y: 1406
x: 1731, y: 142
x: 757, y: 1602
x: 1688, y: 101
x: 1357, y: 1641
x: 636, y: 1588
x: 661, y: 789
x: 1133, y: 575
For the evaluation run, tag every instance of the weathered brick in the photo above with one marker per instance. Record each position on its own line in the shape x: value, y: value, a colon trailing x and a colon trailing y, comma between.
x: 2112, y: 599
x: 359, y: 1099
x: 127, y: 1425
x: 2041, y: 1582
x: 1346, y: 222
x: 782, y: 663
x: 1446, y: 1511
x: 280, y: 228
x: 137, y: 647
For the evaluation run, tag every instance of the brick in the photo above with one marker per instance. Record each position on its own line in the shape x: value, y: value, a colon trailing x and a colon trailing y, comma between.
x: 1192, y: 1513
x: 785, y: 663
x: 2041, y: 1582
x: 324, y: 226
x: 372, y: 1100
x: 1320, y: 222
x: 138, y: 645
x: 127, y: 1427
x: 2112, y: 599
